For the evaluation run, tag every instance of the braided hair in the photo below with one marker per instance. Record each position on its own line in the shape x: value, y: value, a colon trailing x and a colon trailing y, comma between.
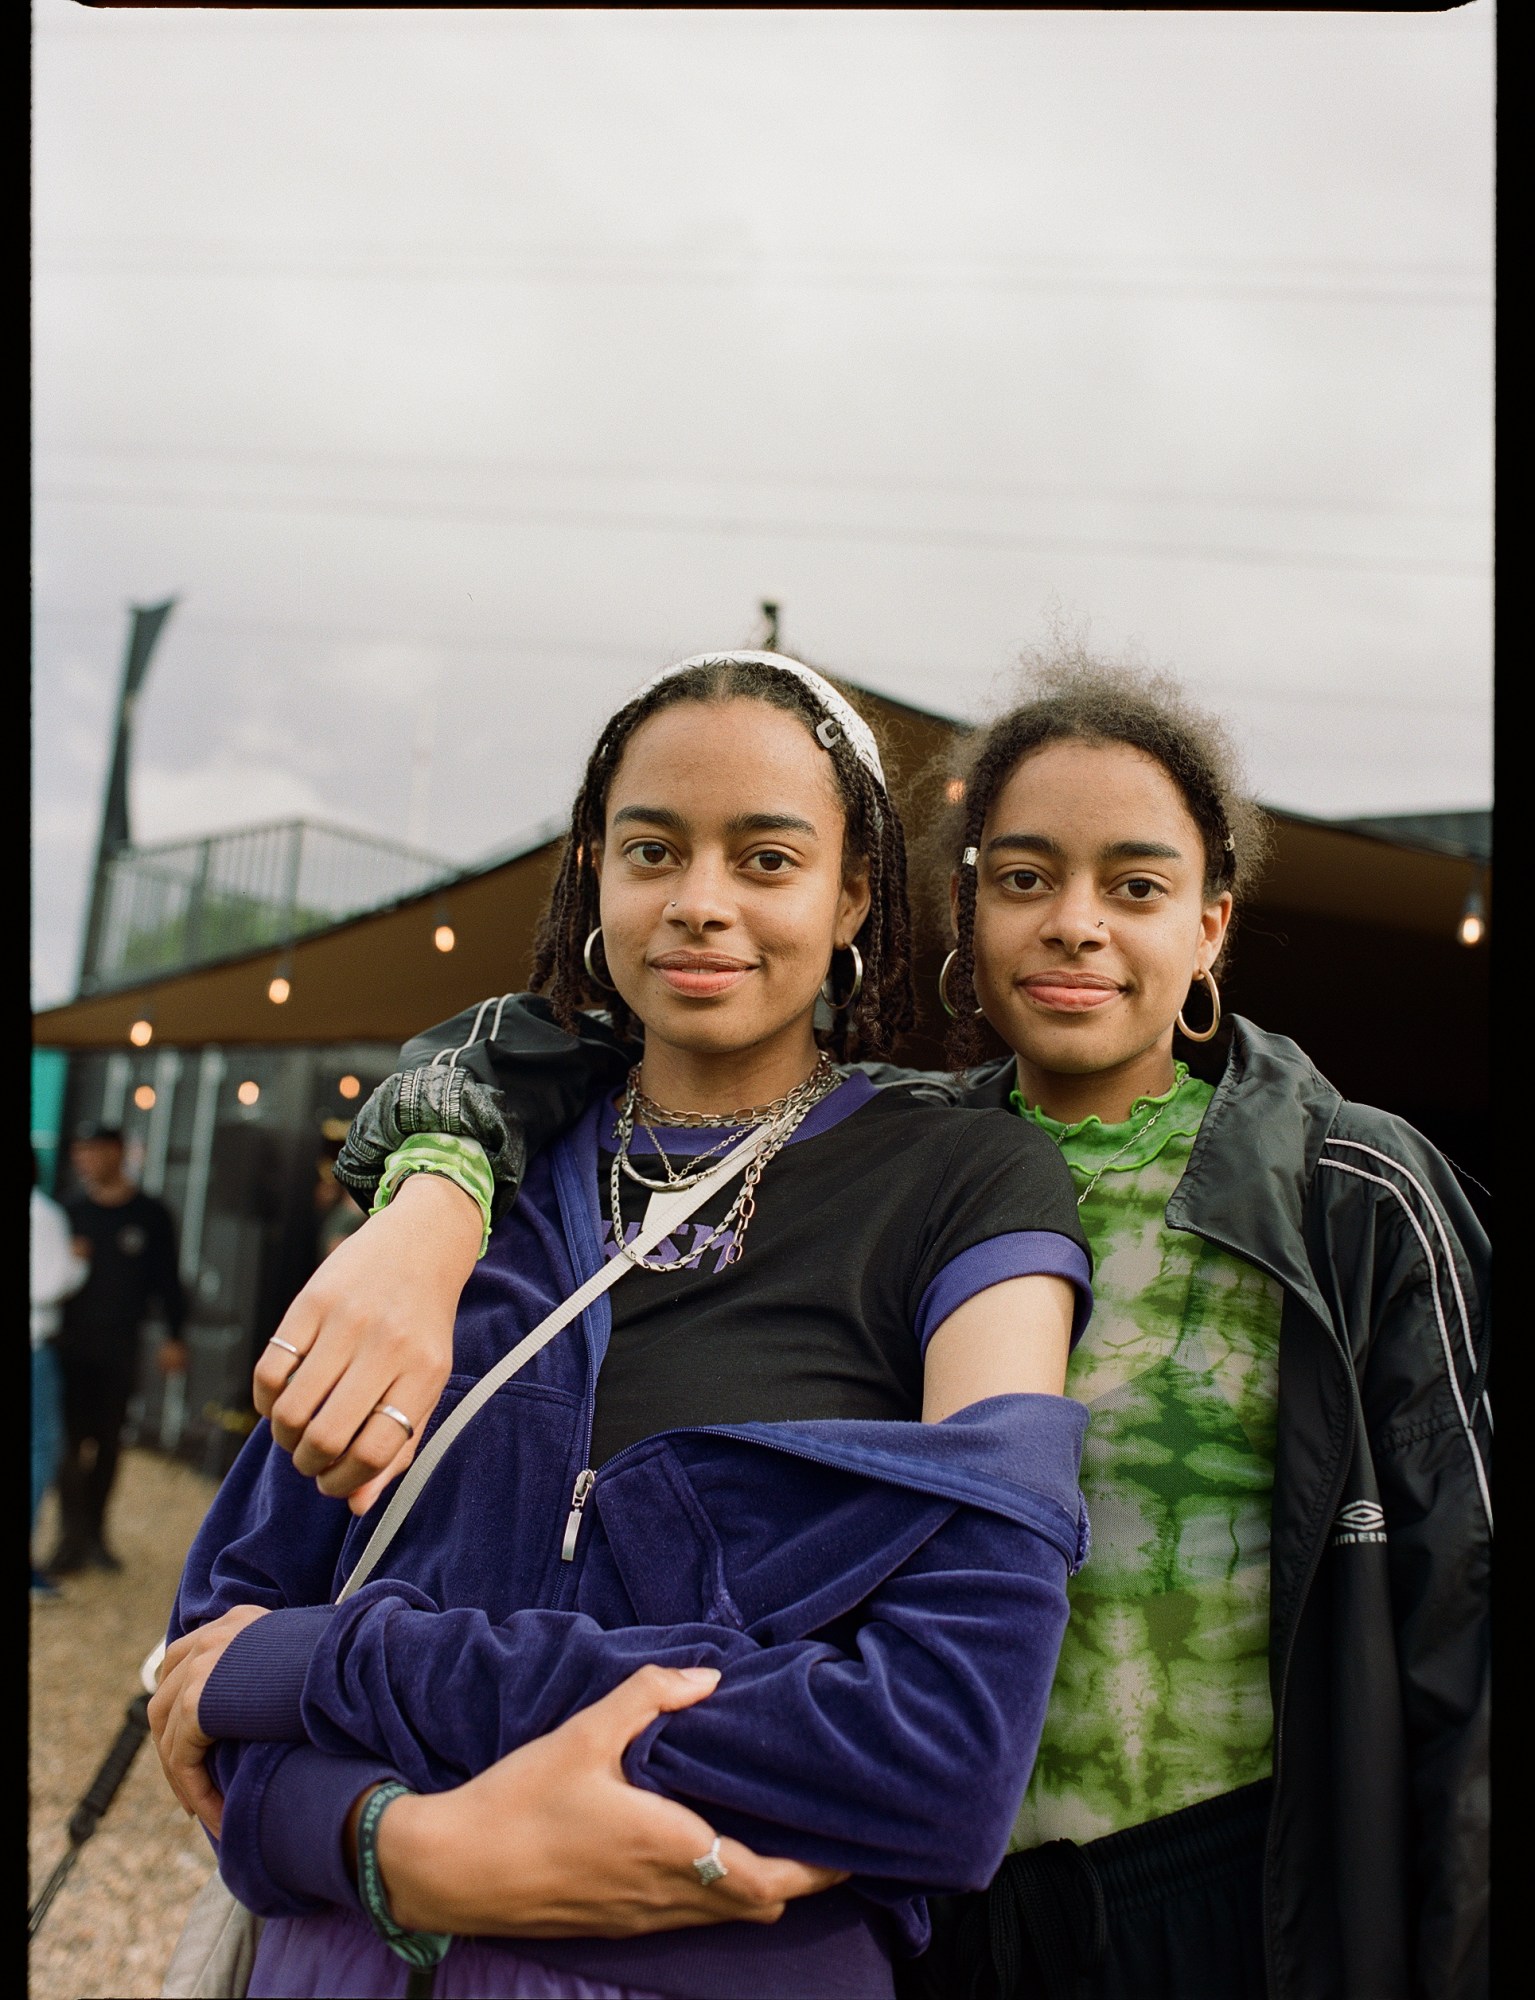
x: 883, y: 1007
x: 1077, y: 698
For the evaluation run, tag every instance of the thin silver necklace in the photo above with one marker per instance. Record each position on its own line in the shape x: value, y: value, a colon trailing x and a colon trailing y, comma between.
x: 698, y: 1163
x: 1124, y: 1149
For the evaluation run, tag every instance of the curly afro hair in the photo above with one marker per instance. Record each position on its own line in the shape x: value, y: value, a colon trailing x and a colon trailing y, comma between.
x: 1072, y: 696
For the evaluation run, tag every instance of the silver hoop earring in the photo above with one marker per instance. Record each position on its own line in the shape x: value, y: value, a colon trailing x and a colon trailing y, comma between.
x: 591, y: 971
x: 1205, y: 1034
x: 840, y: 1006
x: 943, y: 988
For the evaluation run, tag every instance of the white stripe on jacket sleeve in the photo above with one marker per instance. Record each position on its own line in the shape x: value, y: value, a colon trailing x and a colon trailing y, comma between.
x: 1379, y: 1180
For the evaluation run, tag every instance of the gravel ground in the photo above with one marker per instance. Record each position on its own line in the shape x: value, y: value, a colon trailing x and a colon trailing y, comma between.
x: 115, y: 1922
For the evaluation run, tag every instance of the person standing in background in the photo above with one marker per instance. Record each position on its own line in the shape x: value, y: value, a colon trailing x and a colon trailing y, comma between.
x: 131, y: 1243
x: 58, y: 1271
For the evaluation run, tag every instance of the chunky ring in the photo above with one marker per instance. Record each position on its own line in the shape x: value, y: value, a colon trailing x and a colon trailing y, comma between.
x: 709, y: 1867
x: 389, y: 1410
x: 286, y: 1346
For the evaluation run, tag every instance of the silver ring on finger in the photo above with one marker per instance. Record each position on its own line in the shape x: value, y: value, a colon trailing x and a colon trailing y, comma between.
x: 708, y: 1867
x: 286, y: 1346
x: 389, y: 1410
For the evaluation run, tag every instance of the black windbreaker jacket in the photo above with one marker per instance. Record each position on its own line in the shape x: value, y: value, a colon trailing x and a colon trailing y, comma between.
x: 1376, y: 1875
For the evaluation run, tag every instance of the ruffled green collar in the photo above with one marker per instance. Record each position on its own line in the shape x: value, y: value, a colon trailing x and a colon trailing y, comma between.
x: 1090, y: 1144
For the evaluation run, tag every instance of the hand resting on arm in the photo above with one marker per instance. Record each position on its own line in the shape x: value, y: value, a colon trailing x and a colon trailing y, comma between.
x: 373, y: 1325
x: 551, y: 1841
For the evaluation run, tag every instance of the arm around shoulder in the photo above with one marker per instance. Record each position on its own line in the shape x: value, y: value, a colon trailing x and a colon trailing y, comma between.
x: 503, y: 1073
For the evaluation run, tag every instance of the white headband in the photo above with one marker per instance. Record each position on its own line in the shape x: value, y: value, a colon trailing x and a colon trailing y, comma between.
x: 858, y: 733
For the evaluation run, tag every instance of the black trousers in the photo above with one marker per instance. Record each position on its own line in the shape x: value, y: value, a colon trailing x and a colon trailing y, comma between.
x: 1172, y: 1910
x: 95, y: 1409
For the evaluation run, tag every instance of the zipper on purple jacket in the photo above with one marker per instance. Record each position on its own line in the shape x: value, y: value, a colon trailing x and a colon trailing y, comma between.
x: 586, y: 1479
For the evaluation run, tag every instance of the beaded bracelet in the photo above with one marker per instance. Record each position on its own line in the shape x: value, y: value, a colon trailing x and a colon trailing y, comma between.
x: 419, y: 1949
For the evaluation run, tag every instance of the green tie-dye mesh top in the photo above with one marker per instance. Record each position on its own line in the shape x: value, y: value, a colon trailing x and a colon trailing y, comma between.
x: 1162, y: 1697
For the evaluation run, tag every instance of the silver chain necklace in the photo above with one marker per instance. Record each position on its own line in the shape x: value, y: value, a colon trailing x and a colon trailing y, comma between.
x: 650, y: 1114
x: 783, y: 1116
x: 1123, y: 1150
x: 676, y: 1177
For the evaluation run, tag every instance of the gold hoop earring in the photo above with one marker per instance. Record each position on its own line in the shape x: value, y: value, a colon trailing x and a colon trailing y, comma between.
x: 839, y: 1006
x: 943, y: 994
x: 591, y: 971
x: 1206, y: 1034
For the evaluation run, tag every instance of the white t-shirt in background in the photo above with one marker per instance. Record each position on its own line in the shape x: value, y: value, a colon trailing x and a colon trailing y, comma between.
x: 57, y: 1273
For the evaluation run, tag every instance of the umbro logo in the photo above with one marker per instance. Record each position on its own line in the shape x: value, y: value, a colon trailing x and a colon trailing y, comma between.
x: 1359, y: 1521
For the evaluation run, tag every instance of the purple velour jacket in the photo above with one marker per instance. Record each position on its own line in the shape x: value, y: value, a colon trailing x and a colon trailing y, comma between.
x: 885, y: 1601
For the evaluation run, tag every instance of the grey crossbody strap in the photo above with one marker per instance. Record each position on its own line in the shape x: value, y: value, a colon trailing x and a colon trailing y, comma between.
x: 663, y: 1215
x: 218, y: 1945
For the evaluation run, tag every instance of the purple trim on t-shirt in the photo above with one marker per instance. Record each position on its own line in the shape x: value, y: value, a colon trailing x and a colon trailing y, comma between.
x: 254, y: 1691
x: 1022, y: 1253
x: 850, y: 1095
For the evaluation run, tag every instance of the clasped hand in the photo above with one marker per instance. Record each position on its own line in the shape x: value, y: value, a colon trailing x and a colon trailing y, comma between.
x: 173, y: 1712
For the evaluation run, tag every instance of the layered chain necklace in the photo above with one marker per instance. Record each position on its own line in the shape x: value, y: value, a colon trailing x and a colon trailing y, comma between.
x: 783, y: 1118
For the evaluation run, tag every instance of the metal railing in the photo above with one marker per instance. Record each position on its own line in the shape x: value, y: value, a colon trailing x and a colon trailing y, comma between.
x: 189, y: 902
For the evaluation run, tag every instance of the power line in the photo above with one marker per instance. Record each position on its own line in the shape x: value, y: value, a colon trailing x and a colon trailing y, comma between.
x: 640, y: 658
x: 792, y: 530
x: 753, y: 481
x: 840, y: 257
x: 343, y: 266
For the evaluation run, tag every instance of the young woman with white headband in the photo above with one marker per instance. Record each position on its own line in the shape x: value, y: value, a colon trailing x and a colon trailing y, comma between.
x: 814, y: 1440
x: 1264, y: 1766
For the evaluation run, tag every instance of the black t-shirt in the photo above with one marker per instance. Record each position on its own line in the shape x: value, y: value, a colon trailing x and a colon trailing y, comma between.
x: 879, y: 1218
x: 133, y: 1260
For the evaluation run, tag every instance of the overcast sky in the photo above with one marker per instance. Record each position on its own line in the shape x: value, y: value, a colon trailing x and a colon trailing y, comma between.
x: 458, y: 369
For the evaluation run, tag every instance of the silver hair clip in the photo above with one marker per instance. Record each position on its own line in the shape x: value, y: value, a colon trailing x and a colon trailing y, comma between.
x: 970, y: 857
x: 827, y: 733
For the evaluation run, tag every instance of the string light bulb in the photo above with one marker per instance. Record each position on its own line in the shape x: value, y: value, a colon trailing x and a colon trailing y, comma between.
x: 349, y: 1086
x: 142, y: 1032
x: 144, y: 1097
x: 1473, y: 919
x: 278, y: 989
x: 249, y: 1092
x: 443, y: 937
